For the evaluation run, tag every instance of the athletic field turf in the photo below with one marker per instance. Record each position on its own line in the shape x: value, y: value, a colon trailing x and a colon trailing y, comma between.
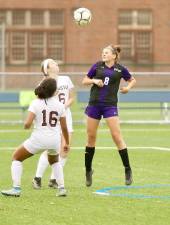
x: 108, y: 201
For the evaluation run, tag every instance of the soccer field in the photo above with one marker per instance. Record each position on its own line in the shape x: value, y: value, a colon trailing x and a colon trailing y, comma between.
x: 108, y: 201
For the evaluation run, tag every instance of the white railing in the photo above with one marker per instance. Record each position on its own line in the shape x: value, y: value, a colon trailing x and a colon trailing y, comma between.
x: 28, y: 80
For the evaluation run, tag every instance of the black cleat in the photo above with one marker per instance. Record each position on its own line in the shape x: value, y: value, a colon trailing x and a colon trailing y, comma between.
x: 36, y: 182
x: 52, y: 183
x: 89, y: 178
x: 128, y: 176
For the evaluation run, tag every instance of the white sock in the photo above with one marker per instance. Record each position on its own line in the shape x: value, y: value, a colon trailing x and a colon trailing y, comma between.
x: 63, y: 161
x: 58, y: 173
x: 52, y: 176
x: 16, y: 172
x: 42, y: 164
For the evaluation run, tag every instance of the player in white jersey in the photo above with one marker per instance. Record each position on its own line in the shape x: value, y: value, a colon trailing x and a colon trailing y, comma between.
x: 48, y: 115
x: 65, y: 95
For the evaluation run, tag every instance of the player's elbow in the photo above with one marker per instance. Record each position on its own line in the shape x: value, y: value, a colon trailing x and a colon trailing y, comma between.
x: 85, y: 80
x: 134, y: 80
x: 27, y: 125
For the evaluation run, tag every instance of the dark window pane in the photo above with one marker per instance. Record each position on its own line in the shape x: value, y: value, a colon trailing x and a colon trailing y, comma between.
x: 56, y: 17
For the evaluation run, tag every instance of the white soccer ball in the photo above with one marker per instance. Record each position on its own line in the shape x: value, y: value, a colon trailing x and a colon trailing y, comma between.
x: 82, y: 16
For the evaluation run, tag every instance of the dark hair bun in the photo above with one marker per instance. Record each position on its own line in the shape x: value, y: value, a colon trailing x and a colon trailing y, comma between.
x: 46, y: 89
x: 117, y: 48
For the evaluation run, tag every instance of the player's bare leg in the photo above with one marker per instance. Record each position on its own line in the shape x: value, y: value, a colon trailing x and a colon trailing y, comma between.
x: 114, y: 126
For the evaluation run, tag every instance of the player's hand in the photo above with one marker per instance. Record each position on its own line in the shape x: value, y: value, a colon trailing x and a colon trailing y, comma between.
x: 98, y: 82
x: 124, y: 90
x: 66, y: 148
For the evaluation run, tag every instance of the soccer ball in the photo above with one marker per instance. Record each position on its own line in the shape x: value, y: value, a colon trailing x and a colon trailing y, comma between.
x: 82, y: 16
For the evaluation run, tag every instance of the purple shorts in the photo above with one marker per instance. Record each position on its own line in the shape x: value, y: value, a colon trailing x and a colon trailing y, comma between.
x: 96, y: 112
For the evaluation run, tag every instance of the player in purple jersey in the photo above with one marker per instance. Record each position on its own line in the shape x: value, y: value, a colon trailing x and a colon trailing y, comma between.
x: 105, y: 76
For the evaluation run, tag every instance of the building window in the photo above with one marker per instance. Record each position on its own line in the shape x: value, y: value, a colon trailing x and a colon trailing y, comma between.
x: 37, y: 17
x: 136, y: 46
x: 125, y: 18
x: 18, y: 42
x: 143, y: 46
x: 37, y: 46
x: 135, y: 18
x: 135, y: 35
x: 18, y: 17
x: 3, y: 17
x: 32, y: 35
x: 55, y: 45
x: 56, y: 17
x: 7, y: 47
x: 126, y: 42
x: 144, y: 17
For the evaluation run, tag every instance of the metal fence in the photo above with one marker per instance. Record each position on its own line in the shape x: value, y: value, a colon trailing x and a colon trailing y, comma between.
x: 28, y: 80
x: 2, y: 53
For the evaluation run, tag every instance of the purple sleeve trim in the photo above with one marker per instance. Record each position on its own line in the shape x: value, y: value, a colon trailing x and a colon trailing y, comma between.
x: 92, y: 71
x: 125, y: 74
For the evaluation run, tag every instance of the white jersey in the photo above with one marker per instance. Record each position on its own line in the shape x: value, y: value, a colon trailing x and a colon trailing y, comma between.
x: 46, y: 133
x: 47, y: 115
x: 64, y: 85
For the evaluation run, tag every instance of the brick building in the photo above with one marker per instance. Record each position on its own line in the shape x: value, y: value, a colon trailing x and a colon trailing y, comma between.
x: 35, y: 30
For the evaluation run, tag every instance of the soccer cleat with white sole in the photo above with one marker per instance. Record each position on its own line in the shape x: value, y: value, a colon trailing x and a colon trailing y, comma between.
x: 36, y: 182
x: 62, y: 192
x: 14, y: 192
x: 52, y: 183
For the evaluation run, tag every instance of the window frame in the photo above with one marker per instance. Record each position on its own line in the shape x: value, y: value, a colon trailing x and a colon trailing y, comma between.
x: 27, y: 29
x: 135, y: 29
x: 11, y: 59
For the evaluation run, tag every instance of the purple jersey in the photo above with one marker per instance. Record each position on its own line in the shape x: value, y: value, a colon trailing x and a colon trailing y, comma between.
x: 107, y: 95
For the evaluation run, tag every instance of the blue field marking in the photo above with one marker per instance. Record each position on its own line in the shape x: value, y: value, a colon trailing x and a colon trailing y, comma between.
x: 107, y: 191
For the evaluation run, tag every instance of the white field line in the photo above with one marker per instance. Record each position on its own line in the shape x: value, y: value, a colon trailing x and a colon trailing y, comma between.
x: 14, y: 131
x: 107, y: 148
x: 10, y: 113
x: 79, y: 113
x: 84, y: 130
x: 129, y: 147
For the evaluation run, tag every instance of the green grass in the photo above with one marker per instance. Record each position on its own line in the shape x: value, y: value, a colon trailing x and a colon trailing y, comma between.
x: 82, y: 206
x: 153, y: 113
